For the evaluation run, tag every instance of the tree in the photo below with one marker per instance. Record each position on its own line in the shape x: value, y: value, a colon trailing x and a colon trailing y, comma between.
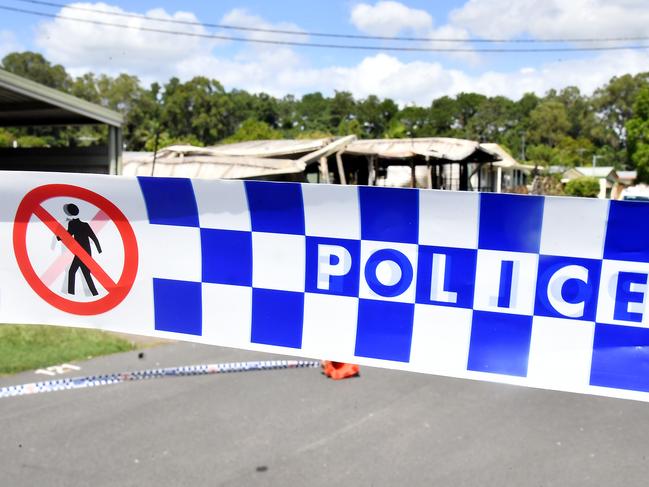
x: 613, y: 104
x: 541, y: 155
x: 466, y: 106
x: 578, y: 110
x: 548, y: 123
x: 312, y: 112
x: 350, y: 127
x: 564, y: 127
x: 493, y: 117
x: 375, y: 114
x: 34, y: 66
x: 342, y: 107
x: 199, y: 107
x: 253, y: 130
x: 637, y: 129
x: 411, y: 121
x: 441, y: 118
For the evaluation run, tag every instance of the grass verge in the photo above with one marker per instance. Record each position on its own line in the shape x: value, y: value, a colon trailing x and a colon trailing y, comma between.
x: 27, y: 347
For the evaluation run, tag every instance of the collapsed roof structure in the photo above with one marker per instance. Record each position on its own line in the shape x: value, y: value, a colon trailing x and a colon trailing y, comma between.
x: 435, y: 162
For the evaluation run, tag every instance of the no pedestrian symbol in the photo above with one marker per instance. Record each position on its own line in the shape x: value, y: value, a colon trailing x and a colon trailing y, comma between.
x: 76, y: 239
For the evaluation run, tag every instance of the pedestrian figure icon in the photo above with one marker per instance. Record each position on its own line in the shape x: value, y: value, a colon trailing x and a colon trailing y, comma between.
x: 77, y: 228
x: 83, y: 234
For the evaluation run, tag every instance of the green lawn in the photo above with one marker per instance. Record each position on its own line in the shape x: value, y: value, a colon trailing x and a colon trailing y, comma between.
x: 27, y: 347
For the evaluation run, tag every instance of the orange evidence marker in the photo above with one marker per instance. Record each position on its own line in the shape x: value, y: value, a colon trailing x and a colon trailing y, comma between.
x: 339, y: 370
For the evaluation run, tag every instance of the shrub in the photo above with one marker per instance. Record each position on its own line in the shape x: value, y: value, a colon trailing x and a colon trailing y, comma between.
x: 585, y: 187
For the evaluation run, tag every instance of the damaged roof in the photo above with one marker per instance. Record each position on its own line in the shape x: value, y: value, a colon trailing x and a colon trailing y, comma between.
x: 276, y: 157
x: 267, y: 148
x: 192, y: 165
x: 441, y: 148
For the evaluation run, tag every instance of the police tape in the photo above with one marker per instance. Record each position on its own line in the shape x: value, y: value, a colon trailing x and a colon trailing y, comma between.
x: 537, y: 291
x: 186, y: 371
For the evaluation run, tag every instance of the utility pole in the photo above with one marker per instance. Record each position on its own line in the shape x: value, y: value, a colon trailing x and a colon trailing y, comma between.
x: 595, y: 157
x: 522, y: 146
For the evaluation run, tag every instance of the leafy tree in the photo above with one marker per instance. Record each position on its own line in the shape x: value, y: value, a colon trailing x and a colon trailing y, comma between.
x: 342, y: 107
x: 411, y: 121
x: 312, y: 113
x: 613, y: 104
x: 313, y: 134
x: 585, y: 187
x: 441, y: 118
x: 253, y: 130
x: 165, y: 140
x: 375, y: 114
x: 491, y: 120
x: 638, y: 135
x: 563, y: 127
x: 573, y: 152
x: 198, y: 107
x: 396, y: 130
x: 34, y: 66
x: 350, y: 127
x: 541, y: 155
x: 466, y: 106
x: 548, y: 123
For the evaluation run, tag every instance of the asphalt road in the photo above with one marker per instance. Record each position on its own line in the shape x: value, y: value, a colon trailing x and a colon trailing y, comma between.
x: 294, y: 428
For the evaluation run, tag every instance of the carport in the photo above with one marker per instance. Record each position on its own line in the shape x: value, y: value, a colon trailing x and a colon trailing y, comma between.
x: 24, y: 103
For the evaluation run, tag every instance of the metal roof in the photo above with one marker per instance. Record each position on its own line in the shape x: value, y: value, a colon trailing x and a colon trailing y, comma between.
x: 597, y: 172
x: 183, y: 164
x: 443, y: 148
x: 506, y: 159
x: 628, y: 175
x: 264, y: 148
x: 25, y: 102
x: 233, y: 161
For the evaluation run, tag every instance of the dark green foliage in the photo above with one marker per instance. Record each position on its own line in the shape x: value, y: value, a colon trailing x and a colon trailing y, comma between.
x: 563, y: 128
x: 584, y: 187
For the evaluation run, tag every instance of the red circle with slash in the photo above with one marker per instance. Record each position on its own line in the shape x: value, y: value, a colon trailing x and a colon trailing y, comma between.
x: 31, y: 204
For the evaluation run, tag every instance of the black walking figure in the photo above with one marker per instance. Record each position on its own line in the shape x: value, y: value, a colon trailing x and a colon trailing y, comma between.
x: 82, y: 233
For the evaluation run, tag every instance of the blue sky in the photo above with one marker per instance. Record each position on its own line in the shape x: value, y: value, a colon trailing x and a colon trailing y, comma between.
x: 407, y: 77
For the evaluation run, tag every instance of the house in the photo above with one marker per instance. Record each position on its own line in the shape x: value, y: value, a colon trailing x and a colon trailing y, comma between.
x: 627, y: 178
x: 436, y: 162
x: 294, y: 160
x: 609, y: 186
x: 504, y: 175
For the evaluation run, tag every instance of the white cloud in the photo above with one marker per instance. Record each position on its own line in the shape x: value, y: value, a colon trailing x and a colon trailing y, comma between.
x: 243, y: 18
x: 421, y: 82
x: 418, y: 81
x: 547, y: 19
x: 280, y: 70
x: 388, y: 18
x: 85, y: 46
x: 8, y: 43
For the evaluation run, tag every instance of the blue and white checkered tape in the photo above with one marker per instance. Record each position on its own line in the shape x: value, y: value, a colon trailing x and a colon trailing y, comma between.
x: 539, y: 291
x: 548, y: 292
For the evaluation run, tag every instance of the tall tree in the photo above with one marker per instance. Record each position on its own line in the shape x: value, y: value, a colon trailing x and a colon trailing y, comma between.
x: 638, y: 135
x: 548, y: 123
x: 34, y: 66
x: 441, y: 119
x: 197, y: 108
x: 467, y: 105
x: 493, y: 117
x: 613, y: 104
